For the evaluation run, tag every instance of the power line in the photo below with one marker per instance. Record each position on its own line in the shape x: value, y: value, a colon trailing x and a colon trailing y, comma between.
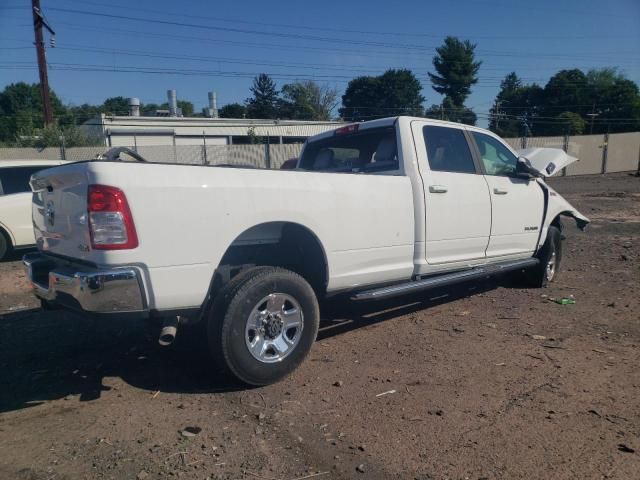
x: 314, y: 66
x: 333, y: 30
x: 238, y: 30
x: 280, y: 47
x: 300, y: 36
x: 156, y: 70
x: 151, y: 54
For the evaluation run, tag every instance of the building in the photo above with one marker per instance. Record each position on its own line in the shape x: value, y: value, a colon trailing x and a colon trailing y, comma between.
x: 135, y: 131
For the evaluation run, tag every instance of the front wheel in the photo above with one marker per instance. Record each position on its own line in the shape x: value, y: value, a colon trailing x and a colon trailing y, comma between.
x: 550, y: 256
x: 263, y: 324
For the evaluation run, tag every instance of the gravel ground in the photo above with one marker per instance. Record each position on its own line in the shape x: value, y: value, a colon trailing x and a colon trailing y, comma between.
x: 487, y: 381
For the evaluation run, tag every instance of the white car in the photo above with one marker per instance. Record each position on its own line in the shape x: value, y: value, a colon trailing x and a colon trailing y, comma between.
x: 373, y: 210
x: 16, y: 228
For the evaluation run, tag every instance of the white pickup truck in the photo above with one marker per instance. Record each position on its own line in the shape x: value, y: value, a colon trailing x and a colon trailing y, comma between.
x: 373, y: 210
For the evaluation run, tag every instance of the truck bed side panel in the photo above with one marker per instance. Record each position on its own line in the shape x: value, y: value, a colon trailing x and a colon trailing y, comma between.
x: 187, y: 216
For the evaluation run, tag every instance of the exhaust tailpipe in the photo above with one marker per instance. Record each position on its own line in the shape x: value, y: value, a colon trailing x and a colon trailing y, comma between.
x: 169, y: 331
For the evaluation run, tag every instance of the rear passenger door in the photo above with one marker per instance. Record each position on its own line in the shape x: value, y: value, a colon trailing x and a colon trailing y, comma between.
x: 16, y: 202
x: 457, y: 204
x: 517, y: 203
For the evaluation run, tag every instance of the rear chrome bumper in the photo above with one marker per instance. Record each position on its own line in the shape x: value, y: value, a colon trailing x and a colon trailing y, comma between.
x: 118, y: 290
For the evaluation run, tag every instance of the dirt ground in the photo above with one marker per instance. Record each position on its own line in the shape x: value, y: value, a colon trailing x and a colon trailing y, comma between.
x: 489, y: 381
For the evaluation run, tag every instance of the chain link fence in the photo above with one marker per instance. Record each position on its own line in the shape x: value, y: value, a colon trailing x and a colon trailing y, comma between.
x: 259, y: 156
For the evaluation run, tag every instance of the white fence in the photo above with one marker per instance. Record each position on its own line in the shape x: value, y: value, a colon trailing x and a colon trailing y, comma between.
x: 616, y: 152
x: 608, y: 153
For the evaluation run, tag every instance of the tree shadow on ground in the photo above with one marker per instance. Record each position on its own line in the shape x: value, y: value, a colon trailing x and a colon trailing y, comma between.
x: 46, y: 355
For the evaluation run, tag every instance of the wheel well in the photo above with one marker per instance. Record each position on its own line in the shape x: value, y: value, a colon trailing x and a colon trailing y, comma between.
x: 557, y: 222
x: 278, y: 244
x: 4, y: 232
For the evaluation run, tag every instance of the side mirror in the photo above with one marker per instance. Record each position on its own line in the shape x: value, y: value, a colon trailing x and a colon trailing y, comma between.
x: 524, y: 169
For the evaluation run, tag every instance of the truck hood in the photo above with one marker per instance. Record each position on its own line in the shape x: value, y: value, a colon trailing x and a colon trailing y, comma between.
x: 547, y: 161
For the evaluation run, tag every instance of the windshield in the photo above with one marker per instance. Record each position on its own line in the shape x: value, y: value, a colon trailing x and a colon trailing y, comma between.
x: 373, y: 150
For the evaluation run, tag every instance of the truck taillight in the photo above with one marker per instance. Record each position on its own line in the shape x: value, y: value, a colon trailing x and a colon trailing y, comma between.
x: 353, y: 128
x: 110, y: 221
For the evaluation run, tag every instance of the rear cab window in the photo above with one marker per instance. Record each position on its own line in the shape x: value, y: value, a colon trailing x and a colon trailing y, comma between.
x: 367, y: 151
x: 16, y: 179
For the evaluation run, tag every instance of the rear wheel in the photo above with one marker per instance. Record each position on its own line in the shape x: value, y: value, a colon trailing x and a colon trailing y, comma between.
x: 263, y: 324
x: 550, y: 256
x: 5, y: 245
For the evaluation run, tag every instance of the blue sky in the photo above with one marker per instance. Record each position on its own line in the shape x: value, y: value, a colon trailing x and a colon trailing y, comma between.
x: 221, y: 44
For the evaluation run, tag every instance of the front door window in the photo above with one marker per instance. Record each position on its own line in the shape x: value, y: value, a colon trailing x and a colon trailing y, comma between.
x: 497, y: 159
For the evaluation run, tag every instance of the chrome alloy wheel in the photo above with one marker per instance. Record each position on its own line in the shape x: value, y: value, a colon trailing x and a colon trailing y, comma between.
x: 550, y: 270
x: 274, y: 327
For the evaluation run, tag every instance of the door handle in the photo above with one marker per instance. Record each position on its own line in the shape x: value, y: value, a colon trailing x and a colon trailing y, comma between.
x: 499, y: 191
x: 437, y: 189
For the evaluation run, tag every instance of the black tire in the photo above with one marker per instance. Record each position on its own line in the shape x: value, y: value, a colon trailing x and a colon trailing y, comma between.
x: 230, y: 313
x: 539, y: 276
x: 6, y: 249
x: 48, y: 306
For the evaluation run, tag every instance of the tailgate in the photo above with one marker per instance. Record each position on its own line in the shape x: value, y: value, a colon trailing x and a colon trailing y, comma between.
x: 59, y: 206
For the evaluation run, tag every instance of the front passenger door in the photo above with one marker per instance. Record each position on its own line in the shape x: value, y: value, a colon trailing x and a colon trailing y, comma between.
x: 517, y: 204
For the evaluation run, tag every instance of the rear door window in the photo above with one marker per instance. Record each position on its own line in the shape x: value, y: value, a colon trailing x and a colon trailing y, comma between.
x: 16, y: 179
x: 448, y: 150
x: 373, y: 150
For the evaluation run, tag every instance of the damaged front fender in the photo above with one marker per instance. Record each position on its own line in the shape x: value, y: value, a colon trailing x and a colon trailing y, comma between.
x: 557, y: 205
x: 581, y: 220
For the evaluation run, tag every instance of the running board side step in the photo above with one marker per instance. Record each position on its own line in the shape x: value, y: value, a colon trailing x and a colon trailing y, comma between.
x: 444, y: 280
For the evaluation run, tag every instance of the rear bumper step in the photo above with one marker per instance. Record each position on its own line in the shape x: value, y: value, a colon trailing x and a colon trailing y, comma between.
x: 100, y: 291
x: 443, y: 280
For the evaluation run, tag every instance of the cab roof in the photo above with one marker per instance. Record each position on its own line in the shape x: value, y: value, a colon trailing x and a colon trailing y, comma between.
x: 387, y: 122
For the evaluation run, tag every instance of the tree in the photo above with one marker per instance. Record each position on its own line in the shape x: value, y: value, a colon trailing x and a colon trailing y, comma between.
x: 510, y: 85
x: 613, y: 97
x: 307, y: 100
x: 58, y: 136
x: 186, y: 107
x: 233, y: 110
x: 575, y: 124
x: 115, y: 106
x: 264, y: 103
x: 566, y: 102
x: 82, y: 113
x: 456, y: 70
x: 565, y: 91
x: 451, y: 113
x: 361, y: 99
x: 150, y: 109
x: 514, y: 105
x: 395, y: 92
x: 21, y: 110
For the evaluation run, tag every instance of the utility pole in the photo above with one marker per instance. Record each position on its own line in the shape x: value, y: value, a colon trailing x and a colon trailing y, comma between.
x: 38, y: 22
x: 497, y: 115
x: 593, y: 115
